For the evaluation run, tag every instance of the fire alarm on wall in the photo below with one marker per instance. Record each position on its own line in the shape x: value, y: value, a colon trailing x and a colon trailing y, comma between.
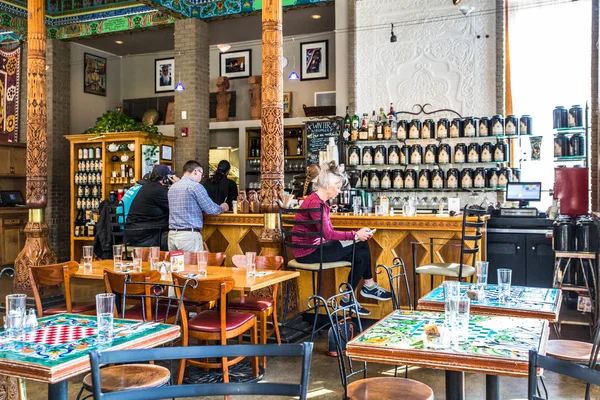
x: 184, y: 132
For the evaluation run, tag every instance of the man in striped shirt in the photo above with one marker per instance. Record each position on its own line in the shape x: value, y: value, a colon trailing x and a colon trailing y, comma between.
x: 187, y: 201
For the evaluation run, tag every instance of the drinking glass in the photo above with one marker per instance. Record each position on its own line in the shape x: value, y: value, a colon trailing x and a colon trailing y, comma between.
x: 105, y: 303
x: 451, y: 295
x: 356, y: 203
x: 250, y: 263
x: 138, y: 255
x: 462, y: 318
x: 202, y: 258
x: 154, y: 257
x: 504, y: 279
x: 481, y: 270
x: 88, y: 255
x: 118, y: 257
x: 15, y: 314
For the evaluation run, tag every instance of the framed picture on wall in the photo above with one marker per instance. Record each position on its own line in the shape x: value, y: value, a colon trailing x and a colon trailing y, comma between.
x: 164, y: 75
x: 236, y: 65
x: 167, y: 153
x: 150, y: 154
x: 314, y: 60
x: 287, y: 104
x: 94, y: 74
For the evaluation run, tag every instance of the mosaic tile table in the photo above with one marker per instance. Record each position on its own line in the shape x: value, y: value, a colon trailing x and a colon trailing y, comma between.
x: 58, y: 349
x: 525, y: 302
x: 495, y: 346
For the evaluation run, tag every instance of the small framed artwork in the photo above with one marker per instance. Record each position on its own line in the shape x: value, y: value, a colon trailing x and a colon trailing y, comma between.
x: 314, y: 59
x: 170, y: 113
x: 164, y: 75
x: 150, y: 154
x: 235, y: 65
x: 94, y: 74
x: 287, y: 104
x: 167, y: 153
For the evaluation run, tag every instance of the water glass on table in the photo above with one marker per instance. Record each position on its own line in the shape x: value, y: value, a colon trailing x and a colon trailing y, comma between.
x: 504, y: 280
x: 105, y: 303
x: 88, y: 255
x: 15, y: 314
x: 451, y: 295
x: 154, y: 257
x: 481, y: 271
x: 250, y: 263
x: 463, y: 309
x: 118, y: 257
x: 138, y: 255
x: 202, y: 259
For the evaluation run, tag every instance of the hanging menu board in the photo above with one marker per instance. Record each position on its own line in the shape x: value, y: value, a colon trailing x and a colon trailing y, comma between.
x: 317, y: 137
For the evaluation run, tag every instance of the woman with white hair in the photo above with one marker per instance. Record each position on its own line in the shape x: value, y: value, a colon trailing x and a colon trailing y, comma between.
x: 329, y: 184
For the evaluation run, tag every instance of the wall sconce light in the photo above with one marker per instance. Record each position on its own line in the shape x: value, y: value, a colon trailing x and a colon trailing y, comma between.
x: 223, y: 47
x: 393, y: 38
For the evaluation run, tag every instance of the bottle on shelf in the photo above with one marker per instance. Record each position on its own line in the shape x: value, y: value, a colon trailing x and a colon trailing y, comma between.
x: 286, y: 150
x: 363, y: 132
x: 299, y: 147
x: 355, y: 127
x: 371, y: 127
x: 347, y: 120
x: 391, y: 115
x: 379, y: 127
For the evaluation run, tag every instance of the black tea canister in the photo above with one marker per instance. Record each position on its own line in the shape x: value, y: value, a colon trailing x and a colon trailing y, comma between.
x: 430, y: 154
x: 365, y: 179
x: 473, y: 153
x: 498, y: 125
x: 437, y: 179
x: 443, y: 126
x: 393, y: 155
x: 410, y: 178
x: 367, y: 155
x: 501, y: 151
x: 493, y: 174
x: 452, y: 178
x: 414, y: 130
x: 470, y: 127
x: 386, y: 179
x: 487, y: 151
x: 561, y: 146
x: 374, y: 180
x: 525, y: 125
x: 444, y: 153
x: 485, y: 127
x: 353, y: 155
x: 466, y: 178
x: 402, y: 129
x: 424, y: 178
x: 416, y: 154
x: 460, y: 153
x: 405, y: 155
x: 398, y: 179
x: 428, y: 129
x: 480, y: 178
x: 577, y: 145
x: 380, y: 155
x: 560, y: 117
x: 575, y: 116
x: 456, y: 128
x: 511, y: 125
x: 505, y: 176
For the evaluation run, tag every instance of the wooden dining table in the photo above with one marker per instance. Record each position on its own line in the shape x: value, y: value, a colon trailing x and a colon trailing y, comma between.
x: 495, y: 346
x: 59, y: 348
x: 243, y: 283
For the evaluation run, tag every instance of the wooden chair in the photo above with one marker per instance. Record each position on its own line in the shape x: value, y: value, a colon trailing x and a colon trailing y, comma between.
x: 288, y: 390
x: 53, y: 275
x: 452, y: 270
x: 262, y: 307
x: 366, y: 388
x: 211, y: 324
x: 214, y: 259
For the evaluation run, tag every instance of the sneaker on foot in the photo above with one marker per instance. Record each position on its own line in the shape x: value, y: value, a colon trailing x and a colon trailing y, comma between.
x: 376, y: 292
x: 361, y: 310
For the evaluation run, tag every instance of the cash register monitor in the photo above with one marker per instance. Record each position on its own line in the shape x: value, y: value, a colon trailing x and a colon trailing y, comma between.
x: 524, y: 192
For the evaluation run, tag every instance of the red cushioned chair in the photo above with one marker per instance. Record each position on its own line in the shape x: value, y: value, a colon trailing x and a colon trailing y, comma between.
x: 212, y: 324
x: 54, y: 275
x: 261, y: 307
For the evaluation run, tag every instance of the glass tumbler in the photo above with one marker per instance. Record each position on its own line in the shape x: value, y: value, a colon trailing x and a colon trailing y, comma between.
x: 138, y: 255
x: 451, y: 294
x: 105, y: 303
x: 504, y: 280
x: 202, y: 259
x: 118, y: 257
x: 88, y: 255
x: 462, y: 318
x: 154, y: 257
x: 15, y: 314
x: 250, y: 264
x: 481, y: 271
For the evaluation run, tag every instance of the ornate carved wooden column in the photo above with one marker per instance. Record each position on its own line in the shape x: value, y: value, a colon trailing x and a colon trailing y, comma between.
x: 36, y: 251
x: 271, y: 155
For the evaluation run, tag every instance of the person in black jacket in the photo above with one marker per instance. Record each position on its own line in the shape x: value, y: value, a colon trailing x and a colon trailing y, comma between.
x: 220, y: 188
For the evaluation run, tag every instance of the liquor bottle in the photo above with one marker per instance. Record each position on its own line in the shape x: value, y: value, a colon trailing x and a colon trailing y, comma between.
x: 363, y: 132
x: 299, y: 147
x: 347, y: 120
x: 392, y: 114
x: 257, y: 148
x: 286, y: 151
x: 355, y: 127
x: 394, y: 126
x: 379, y: 127
x: 371, y: 127
x: 382, y: 113
x: 346, y: 135
x: 252, y: 151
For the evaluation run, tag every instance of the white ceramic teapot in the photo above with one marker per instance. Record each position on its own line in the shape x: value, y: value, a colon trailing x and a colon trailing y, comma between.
x: 131, y: 146
x: 124, y: 158
x: 112, y: 147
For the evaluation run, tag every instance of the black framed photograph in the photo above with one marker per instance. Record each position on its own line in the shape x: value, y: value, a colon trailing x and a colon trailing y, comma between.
x: 236, y: 64
x: 164, y: 75
x: 167, y: 153
x: 314, y: 60
x: 94, y: 74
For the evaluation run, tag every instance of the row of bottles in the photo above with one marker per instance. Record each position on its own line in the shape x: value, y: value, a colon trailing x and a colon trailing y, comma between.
x: 286, y: 149
x: 88, y: 203
x: 467, y: 178
x: 431, y: 154
x: 85, y: 223
x: 254, y: 150
x: 88, y: 178
x: 89, y: 166
x: 88, y: 153
x: 86, y: 191
x: 386, y: 126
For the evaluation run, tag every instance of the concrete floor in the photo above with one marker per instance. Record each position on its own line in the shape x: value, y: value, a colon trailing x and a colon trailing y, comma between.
x: 325, y: 381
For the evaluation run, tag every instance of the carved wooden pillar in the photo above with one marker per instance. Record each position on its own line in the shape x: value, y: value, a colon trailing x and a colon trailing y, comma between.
x: 271, y: 162
x: 36, y: 250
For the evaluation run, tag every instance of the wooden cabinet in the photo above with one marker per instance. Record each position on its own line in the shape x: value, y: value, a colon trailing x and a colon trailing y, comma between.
x: 12, y: 236
x: 12, y: 160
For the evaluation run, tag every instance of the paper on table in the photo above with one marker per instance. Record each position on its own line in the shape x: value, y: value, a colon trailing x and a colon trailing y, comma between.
x: 346, y: 243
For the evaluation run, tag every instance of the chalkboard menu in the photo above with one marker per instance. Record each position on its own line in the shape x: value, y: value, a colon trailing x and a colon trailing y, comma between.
x: 317, y: 137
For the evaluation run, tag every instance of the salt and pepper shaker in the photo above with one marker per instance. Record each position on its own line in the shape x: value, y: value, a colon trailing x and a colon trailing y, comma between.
x: 31, y: 322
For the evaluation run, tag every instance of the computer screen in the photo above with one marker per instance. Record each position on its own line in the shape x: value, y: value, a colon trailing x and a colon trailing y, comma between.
x: 524, y: 191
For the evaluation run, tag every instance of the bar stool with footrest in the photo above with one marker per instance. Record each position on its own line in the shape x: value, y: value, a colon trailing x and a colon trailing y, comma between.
x: 53, y: 275
x: 367, y: 388
x: 451, y: 270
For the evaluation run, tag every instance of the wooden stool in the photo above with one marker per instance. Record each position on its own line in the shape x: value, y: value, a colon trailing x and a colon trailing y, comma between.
x: 569, y: 350
x: 130, y: 376
x: 389, y: 388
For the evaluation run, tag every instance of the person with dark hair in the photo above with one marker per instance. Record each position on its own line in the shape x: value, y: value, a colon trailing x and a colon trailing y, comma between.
x: 220, y: 188
x: 187, y: 201
x: 147, y: 219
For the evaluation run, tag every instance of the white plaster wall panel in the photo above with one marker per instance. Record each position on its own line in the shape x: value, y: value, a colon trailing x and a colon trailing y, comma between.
x: 437, y: 59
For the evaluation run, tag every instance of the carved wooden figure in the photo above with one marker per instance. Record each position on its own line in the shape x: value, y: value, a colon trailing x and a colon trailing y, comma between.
x: 223, y: 98
x: 255, y: 96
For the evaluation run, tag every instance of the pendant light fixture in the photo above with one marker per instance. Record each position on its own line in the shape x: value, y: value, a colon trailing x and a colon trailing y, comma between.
x: 393, y: 38
x: 293, y: 76
x: 179, y: 87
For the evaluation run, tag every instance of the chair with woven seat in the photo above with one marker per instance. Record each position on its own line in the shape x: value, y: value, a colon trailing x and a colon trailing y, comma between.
x: 54, y: 275
x: 216, y: 325
x: 366, y: 388
x: 261, y: 307
x: 471, y: 234
x: 287, y: 222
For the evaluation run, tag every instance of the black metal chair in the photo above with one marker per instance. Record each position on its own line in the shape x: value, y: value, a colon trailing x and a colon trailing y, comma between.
x: 287, y: 222
x: 303, y: 350
x: 451, y: 270
x: 575, y: 371
x: 365, y: 388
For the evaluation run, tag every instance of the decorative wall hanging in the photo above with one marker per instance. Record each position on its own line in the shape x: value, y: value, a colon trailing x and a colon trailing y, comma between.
x: 314, y: 60
x: 223, y: 98
x: 236, y: 64
x: 94, y: 74
x: 255, y: 96
x: 164, y: 73
x: 287, y: 104
x: 10, y: 63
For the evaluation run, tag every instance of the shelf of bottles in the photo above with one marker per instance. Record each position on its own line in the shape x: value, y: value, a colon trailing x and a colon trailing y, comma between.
x: 384, y: 152
x: 88, y: 183
x: 120, y: 167
x: 570, y: 134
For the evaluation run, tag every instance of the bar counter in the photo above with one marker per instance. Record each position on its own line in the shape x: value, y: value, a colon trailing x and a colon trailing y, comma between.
x: 239, y: 233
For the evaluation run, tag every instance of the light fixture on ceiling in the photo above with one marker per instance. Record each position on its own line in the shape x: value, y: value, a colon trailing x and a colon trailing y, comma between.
x: 393, y: 38
x: 179, y: 87
x: 293, y: 76
x: 315, y: 16
x: 223, y: 47
x: 118, y: 41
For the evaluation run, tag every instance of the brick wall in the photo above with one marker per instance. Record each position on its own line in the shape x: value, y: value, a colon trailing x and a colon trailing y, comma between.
x: 58, y: 56
x: 192, y: 68
x: 500, y: 50
x: 594, y: 107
